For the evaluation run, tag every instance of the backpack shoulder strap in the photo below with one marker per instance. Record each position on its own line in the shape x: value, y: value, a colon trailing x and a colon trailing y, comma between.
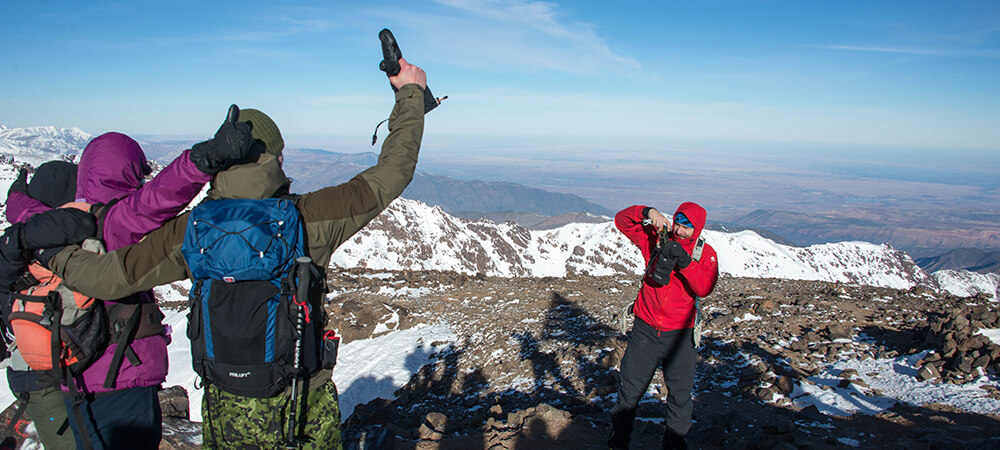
x: 698, y: 248
x: 100, y: 211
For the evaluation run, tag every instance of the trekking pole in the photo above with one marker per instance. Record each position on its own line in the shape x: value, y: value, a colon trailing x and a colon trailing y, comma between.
x: 301, y: 298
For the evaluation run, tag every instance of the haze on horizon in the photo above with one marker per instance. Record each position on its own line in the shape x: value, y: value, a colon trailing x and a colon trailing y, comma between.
x: 737, y: 104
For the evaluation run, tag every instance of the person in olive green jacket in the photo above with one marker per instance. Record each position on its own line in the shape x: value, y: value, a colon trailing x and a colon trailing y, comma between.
x: 330, y: 216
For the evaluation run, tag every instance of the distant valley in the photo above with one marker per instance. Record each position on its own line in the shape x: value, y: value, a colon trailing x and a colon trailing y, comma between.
x: 937, y: 237
x: 923, y: 233
x: 971, y: 259
x: 315, y: 169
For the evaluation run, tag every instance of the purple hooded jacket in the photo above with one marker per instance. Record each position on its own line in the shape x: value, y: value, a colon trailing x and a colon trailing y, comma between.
x: 111, y: 167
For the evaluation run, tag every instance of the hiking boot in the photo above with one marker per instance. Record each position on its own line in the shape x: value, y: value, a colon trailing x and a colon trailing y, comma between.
x: 621, y: 430
x: 674, y: 441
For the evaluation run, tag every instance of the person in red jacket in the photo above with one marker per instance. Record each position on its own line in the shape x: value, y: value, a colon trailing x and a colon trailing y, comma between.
x: 679, y: 271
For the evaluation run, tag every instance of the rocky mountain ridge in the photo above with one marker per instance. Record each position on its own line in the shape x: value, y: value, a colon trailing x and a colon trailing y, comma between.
x: 411, y: 235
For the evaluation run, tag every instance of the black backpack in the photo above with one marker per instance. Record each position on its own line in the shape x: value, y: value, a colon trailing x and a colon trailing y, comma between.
x: 244, y: 311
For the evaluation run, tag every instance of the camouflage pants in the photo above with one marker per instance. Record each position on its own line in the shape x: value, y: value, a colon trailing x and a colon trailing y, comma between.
x: 238, y: 422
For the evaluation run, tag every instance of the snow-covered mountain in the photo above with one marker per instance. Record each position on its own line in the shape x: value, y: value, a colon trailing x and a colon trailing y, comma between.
x: 964, y: 283
x: 35, y: 145
x: 411, y: 235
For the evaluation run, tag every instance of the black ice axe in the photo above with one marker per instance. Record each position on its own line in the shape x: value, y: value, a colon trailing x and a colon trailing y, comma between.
x: 233, y: 115
x: 390, y: 65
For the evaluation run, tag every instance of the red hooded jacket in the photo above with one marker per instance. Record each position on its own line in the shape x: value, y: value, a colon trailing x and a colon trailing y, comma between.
x: 671, y: 306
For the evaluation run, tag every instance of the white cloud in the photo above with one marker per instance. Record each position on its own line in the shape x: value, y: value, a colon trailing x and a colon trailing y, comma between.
x: 953, y: 53
x: 528, y: 35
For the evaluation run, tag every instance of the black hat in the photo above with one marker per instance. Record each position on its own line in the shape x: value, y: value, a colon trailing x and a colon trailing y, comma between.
x: 54, y: 183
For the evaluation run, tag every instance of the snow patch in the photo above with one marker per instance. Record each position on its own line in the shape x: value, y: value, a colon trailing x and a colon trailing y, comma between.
x: 376, y: 368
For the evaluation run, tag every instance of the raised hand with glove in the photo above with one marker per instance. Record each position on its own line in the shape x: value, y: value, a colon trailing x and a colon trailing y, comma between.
x: 231, y: 144
x: 20, y: 183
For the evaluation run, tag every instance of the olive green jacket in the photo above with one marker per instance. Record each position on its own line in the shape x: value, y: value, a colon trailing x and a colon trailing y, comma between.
x: 331, y: 215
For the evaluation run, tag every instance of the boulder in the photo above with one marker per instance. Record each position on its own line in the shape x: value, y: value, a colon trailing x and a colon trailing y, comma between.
x: 785, y: 385
x: 436, y: 421
x: 928, y: 372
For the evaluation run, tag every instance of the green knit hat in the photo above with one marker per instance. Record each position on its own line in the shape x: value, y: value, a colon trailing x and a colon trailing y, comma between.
x: 264, y: 129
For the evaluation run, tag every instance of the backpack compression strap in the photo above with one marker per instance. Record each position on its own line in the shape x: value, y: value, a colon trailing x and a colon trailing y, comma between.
x: 124, y: 346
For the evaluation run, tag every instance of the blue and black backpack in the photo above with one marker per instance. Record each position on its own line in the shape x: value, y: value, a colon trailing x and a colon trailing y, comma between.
x: 244, y: 311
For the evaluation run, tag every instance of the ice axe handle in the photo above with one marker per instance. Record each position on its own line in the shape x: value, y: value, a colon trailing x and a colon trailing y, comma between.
x: 390, y: 65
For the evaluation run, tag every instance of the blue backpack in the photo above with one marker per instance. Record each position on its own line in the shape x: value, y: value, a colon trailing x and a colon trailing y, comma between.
x: 244, y: 314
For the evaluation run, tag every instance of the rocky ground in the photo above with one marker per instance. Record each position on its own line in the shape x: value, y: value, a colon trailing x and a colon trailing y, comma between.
x: 535, y: 363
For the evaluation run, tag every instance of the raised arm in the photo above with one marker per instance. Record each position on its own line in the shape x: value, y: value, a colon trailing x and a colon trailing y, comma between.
x: 20, y: 204
x: 336, y: 213
x: 630, y: 222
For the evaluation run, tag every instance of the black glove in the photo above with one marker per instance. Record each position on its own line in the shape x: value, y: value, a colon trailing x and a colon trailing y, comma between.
x: 674, y: 250
x: 231, y: 144
x: 662, y: 269
x: 58, y: 227
x: 20, y: 183
x: 47, y: 233
x: 663, y: 264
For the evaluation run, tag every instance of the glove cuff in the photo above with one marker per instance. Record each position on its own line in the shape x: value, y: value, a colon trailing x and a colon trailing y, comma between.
x: 201, y: 157
x: 43, y: 255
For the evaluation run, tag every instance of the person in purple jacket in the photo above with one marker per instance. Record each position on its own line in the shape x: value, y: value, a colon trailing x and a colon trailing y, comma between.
x: 115, y: 399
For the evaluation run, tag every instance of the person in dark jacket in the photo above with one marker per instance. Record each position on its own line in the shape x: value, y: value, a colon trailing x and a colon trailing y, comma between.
x: 52, y: 185
x: 665, y: 313
x: 330, y: 217
x: 124, y: 411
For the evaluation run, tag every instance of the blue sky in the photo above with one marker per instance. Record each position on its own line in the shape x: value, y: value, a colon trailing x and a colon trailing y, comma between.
x: 534, y: 77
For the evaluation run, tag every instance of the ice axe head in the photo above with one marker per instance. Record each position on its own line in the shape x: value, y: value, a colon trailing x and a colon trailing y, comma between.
x: 234, y: 114
x: 390, y: 53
